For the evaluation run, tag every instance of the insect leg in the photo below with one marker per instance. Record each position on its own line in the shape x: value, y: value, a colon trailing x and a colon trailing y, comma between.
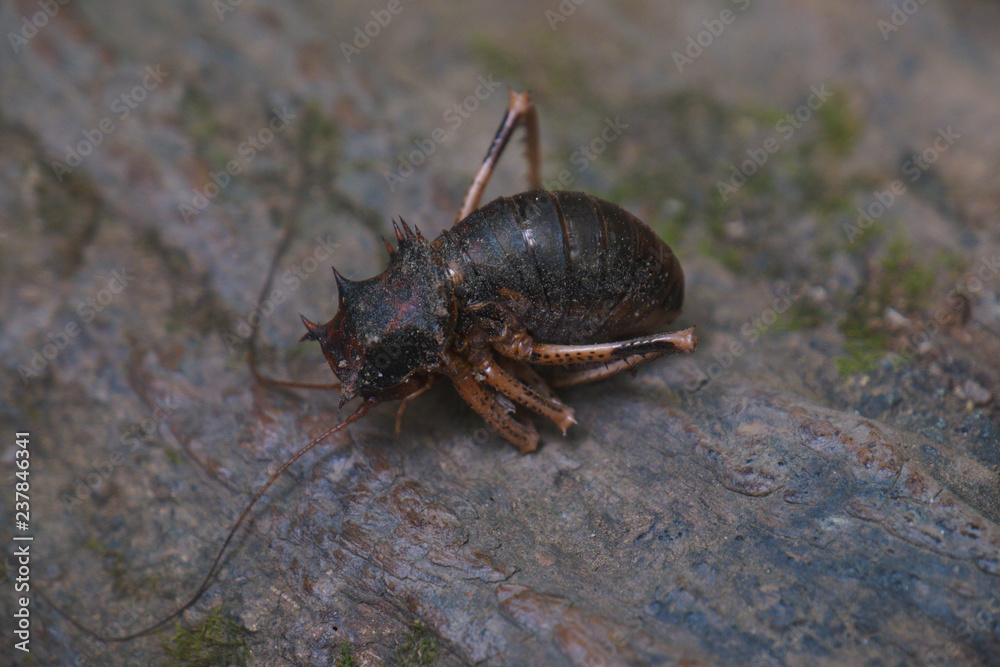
x: 526, y: 374
x: 520, y: 111
x: 426, y: 384
x: 587, y: 375
x: 547, y: 406
x: 644, y: 348
x: 483, y: 401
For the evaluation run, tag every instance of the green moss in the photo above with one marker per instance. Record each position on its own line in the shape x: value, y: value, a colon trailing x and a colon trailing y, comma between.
x: 316, y: 127
x: 197, y: 112
x: 802, y: 314
x: 861, y: 358
x: 215, y: 641
x: 344, y: 655
x: 543, y: 64
x: 419, y: 647
x: 905, y: 282
x: 763, y: 116
x: 761, y: 184
x: 864, y: 346
x: 866, y: 237
x: 839, y: 127
x: 173, y: 455
x: 898, y: 281
x: 725, y: 253
x: 669, y: 227
x: 953, y: 262
x: 495, y: 58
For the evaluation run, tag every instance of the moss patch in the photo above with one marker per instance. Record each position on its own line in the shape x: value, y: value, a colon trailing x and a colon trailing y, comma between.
x: 802, y: 314
x: 900, y: 280
x: 839, y: 127
x: 905, y: 282
x: 419, y: 647
x: 215, y: 641
x: 343, y: 655
x: 496, y: 59
x: 862, y: 354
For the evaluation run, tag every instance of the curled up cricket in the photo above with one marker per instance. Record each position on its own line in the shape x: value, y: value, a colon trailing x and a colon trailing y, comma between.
x: 529, y: 293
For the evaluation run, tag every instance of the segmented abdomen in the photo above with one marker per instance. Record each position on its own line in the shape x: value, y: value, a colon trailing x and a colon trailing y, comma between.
x: 570, y: 267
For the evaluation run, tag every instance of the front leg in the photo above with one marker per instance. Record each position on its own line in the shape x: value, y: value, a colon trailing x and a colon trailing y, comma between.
x: 414, y: 386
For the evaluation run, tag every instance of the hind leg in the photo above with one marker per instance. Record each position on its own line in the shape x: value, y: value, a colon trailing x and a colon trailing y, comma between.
x: 520, y: 111
x: 615, y: 357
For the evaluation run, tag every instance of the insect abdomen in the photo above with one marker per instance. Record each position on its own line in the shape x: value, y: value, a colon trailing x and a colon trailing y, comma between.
x: 567, y: 266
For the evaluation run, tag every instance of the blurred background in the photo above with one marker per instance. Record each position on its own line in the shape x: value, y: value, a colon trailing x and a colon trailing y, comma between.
x: 817, y: 483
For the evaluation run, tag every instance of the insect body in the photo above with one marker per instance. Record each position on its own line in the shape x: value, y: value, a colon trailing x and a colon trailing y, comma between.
x: 540, y: 278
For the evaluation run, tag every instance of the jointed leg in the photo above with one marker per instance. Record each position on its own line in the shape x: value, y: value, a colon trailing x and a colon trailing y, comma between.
x: 615, y: 357
x: 520, y: 111
x: 642, y: 349
x: 427, y: 384
x: 547, y: 406
x: 526, y: 374
x: 483, y: 401
x: 587, y: 375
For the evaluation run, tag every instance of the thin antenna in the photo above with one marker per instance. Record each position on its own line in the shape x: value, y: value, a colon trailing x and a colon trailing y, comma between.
x: 360, y: 412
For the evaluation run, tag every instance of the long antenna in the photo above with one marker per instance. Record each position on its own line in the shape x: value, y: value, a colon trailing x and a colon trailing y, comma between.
x: 360, y: 412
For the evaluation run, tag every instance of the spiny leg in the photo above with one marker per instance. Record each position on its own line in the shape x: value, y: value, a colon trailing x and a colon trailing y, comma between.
x: 520, y: 111
x: 587, y: 375
x: 483, y: 401
x: 526, y: 374
x: 549, y: 406
x: 643, y: 349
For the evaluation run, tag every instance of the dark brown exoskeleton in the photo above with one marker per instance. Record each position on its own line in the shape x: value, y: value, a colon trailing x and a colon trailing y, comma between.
x: 555, y: 278
x: 541, y: 278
